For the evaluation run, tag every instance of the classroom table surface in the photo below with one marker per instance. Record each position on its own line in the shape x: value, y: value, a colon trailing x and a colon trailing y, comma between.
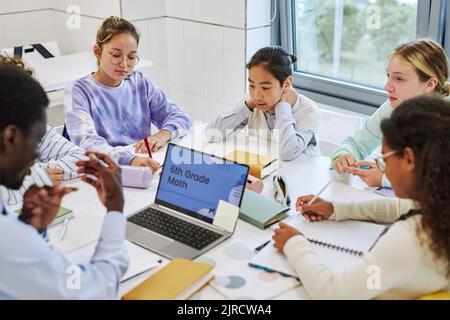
x: 304, y: 175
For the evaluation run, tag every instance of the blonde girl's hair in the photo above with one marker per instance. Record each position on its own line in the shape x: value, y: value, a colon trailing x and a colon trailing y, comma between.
x: 428, y: 59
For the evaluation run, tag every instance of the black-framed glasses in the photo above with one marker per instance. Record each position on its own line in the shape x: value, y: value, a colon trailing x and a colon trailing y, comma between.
x: 117, y: 59
x: 381, y: 160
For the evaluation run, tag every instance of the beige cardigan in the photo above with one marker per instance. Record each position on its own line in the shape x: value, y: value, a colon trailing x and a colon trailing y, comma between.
x: 407, y: 268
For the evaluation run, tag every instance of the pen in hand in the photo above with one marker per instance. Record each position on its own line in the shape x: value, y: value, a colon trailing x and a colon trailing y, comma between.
x: 147, y: 146
x: 319, y: 193
x: 366, y: 167
x: 63, y: 232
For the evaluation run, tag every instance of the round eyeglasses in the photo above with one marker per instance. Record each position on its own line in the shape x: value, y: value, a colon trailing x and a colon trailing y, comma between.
x: 381, y: 160
x: 117, y: 59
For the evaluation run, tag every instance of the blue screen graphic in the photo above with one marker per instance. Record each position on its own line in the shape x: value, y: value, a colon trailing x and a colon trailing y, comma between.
x: 196, y: 182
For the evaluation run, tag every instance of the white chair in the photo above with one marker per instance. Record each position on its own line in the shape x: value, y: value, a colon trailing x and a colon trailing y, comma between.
x: 335, y: 127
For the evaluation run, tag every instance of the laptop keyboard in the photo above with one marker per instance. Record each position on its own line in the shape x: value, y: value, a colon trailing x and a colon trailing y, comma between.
x: 175, y: 228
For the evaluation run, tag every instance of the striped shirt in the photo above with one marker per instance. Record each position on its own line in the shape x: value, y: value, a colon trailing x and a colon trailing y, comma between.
x: 55, y: 151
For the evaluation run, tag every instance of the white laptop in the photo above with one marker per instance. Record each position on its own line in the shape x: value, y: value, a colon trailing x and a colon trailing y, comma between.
x: 182, y: 222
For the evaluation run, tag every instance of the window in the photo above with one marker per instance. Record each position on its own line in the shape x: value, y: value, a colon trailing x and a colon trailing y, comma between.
x: 347, y: 40
x: 343, y: 45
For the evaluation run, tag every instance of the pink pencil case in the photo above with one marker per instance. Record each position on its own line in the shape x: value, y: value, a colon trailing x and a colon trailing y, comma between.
x: 136, y: 177
x: 254, y: 184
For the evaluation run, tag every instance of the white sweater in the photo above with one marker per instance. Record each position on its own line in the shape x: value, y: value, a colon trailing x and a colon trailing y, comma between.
x: 293, y: 128
x: 408, y: 268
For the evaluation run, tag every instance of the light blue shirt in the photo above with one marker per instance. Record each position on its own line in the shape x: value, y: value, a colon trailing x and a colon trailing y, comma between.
x: 31, y: 268
x: 367, y: 139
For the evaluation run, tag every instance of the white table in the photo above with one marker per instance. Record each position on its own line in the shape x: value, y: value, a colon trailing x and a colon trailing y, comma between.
x: 304, y: 175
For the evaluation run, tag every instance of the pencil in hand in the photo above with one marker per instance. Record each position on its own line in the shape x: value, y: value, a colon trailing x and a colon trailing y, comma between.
x: 147, y: 146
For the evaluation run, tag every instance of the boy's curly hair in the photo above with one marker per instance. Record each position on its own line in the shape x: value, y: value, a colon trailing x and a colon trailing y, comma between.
x: 13, y: 61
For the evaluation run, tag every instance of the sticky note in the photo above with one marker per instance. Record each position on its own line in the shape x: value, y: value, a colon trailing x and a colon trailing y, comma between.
x: 226, y: 216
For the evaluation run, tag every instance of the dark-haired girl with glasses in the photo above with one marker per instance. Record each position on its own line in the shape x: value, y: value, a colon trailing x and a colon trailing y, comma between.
x: 115, y: 107
x: 412, y: 257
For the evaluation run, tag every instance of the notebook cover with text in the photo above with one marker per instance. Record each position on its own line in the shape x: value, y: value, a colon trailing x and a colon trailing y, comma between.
x: 179, y: 279
x: 260, y: 166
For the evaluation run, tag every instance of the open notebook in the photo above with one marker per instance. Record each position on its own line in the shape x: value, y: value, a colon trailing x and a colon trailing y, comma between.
x: 141, y: 260
x: 337, y: 244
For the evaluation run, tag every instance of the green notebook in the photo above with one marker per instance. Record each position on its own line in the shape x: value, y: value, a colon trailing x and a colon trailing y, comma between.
x: 260, y: 210
x: 62, y: 214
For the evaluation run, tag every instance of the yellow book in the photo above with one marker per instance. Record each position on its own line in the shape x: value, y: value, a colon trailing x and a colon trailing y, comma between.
x: 178, y: 280
x: 440, y: 295
x: 260, y: 166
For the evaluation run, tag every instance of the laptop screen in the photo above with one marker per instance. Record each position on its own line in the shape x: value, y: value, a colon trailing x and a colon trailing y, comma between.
x: 193, y: 182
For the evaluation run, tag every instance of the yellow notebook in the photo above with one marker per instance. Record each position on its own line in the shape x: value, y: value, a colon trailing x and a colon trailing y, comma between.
x: 440, y: 295
x: 260, y: 166
x: 178, y: 280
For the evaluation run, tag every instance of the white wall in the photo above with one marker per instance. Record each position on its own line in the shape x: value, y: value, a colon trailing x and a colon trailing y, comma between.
x: 24, y: 5
x: 206, y: 53
x: 216, y: 37
x: 258, y: 25
x: 24, y: 22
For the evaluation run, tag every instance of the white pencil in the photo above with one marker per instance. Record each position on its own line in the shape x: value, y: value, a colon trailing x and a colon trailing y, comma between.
x: 319, y: 193
x: 63, y: 232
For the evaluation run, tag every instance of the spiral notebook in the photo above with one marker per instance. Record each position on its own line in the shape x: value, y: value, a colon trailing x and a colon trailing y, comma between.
x: 337, y: 244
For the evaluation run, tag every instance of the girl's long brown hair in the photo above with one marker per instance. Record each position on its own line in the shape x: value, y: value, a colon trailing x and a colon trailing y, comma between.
x: 423, y: 124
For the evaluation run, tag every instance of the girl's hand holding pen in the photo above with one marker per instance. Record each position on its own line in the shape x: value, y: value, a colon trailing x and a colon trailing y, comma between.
x: 156, y: 141
x: 319, y: 210
x: 343, y: 162
x: 368, y: 172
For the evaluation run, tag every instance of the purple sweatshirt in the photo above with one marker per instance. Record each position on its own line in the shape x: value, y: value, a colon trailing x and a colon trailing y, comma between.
x: 109, y: 119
